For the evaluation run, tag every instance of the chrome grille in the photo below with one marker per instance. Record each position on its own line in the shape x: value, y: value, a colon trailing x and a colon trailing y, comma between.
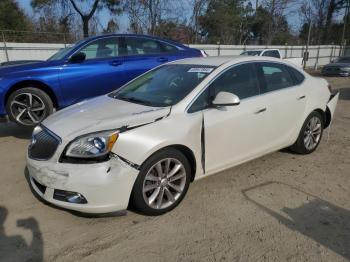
x: 43, y: 145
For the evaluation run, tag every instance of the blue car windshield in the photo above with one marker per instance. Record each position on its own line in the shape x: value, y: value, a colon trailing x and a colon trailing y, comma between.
x: 343, y: 60
x: 63, y: 52
x: 163, y: 86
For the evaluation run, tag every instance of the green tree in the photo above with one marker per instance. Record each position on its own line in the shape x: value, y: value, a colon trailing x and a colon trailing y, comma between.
x: 222, y: 21
x: 260, y: 24
x: 12, y: 17
x: 175, y: 31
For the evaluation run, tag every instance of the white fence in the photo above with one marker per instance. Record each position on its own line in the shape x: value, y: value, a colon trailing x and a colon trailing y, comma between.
x: 318, y: 55
x: 27, y: 51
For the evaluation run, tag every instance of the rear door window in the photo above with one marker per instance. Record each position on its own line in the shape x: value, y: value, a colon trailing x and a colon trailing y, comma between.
x: 275, y: 76
x: 145, y: 46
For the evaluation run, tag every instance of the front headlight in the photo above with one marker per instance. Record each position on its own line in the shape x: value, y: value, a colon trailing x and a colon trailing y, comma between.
x: 92, y: 145
x: 345, y: 68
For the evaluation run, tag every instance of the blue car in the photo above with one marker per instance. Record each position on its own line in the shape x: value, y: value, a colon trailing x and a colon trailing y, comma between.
x: 92, y: 67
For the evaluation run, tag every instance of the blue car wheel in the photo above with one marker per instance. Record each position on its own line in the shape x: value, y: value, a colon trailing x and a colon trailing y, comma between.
x: 29, y: 106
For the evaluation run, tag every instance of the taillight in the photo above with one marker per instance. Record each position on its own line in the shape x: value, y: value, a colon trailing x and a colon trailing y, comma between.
x: 330, y: 88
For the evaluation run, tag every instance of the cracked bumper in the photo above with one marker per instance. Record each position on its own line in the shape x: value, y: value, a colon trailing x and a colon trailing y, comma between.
x: 106, y: 186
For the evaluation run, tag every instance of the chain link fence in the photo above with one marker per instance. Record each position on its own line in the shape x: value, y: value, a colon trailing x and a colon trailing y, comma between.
x: 27, y: 45
x: 34, y: 37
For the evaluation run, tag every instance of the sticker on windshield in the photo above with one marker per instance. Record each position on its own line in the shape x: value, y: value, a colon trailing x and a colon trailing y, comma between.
x: 200, y: 70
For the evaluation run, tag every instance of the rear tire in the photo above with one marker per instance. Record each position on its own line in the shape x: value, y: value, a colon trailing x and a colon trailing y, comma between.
x: 29, y: 106
x: 310, y: 134
x: 162, y: 183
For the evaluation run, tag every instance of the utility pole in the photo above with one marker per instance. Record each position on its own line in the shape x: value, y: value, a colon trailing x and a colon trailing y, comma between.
x: 306, y: 54
x: 343, y: 41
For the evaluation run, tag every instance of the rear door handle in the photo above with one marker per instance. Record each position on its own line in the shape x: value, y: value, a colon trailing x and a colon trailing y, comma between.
x: 116, y: 63
x: 260, y: 110
x: 162, y: 59
x: 301, y: 97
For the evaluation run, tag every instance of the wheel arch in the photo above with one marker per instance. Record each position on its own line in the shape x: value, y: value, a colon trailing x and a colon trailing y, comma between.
x: 35, y: 84
x: 188, y: 153
x: 327, y: 116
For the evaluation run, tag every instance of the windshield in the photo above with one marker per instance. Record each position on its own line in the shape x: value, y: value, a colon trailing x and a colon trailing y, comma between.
x: 163, y: 86
x: 343, y: 60
x: 63, y: 52
x: 251, y: 53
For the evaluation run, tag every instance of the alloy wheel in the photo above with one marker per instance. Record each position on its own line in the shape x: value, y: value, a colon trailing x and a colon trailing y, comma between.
x: 28, y: 109
x: 164, y: 183
x: 312, y: 133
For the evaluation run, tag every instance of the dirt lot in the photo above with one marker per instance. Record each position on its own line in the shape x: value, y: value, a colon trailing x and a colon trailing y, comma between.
x: 282, y: 207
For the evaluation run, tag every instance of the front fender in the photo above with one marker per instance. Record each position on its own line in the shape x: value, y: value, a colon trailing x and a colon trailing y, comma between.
x: 140, y: 143
x: 45, y: 76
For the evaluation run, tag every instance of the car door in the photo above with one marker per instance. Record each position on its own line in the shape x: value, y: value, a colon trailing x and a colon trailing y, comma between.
x: 285, y: 102
x: 101, y: 72
x: 235, y: 133
x: 144, y: 54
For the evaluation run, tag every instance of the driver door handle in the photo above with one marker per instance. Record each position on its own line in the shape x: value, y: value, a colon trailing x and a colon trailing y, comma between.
x: 116, y: 63
x: 162, y: 59
x: 260, y: 110
x: 301, y: 97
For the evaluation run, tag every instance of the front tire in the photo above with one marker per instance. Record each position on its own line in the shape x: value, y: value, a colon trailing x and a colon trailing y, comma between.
x: 310, y: 134
x: 29, y: 106
x: 162, y: 182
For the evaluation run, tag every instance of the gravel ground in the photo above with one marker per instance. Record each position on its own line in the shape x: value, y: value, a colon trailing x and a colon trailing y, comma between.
x: 281, y: 207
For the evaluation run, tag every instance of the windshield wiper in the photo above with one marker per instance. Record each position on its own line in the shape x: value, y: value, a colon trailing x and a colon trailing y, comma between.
x: 134, y: 100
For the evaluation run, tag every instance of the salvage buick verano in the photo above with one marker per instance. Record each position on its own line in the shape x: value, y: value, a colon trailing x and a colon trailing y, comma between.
x: 144, y: 143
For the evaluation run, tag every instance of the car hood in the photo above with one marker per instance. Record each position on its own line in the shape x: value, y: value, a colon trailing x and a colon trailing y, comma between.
x: 99, y: 114
x: 8, y: 69
x: 338, y: 65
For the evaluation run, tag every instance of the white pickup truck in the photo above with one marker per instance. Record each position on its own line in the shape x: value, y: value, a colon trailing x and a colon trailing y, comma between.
x: 273, y: 53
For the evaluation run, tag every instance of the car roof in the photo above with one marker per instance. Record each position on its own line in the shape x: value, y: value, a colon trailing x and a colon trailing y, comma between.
x: 138, y: 35
x: 220, y: 60
x: 210, y: 60
x: 265, y: 49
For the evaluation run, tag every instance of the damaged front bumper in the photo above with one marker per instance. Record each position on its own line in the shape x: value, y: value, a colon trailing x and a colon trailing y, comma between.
x: 88, y: 188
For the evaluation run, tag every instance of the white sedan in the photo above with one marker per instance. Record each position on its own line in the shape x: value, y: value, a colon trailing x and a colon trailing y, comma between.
x: 177, y: 123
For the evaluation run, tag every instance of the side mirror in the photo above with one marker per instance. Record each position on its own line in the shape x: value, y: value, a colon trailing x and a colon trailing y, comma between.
x: 77, y: 58
x: 226, y: 99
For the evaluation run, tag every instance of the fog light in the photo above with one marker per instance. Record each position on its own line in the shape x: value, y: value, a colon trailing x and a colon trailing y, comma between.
x: 68, y: 196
